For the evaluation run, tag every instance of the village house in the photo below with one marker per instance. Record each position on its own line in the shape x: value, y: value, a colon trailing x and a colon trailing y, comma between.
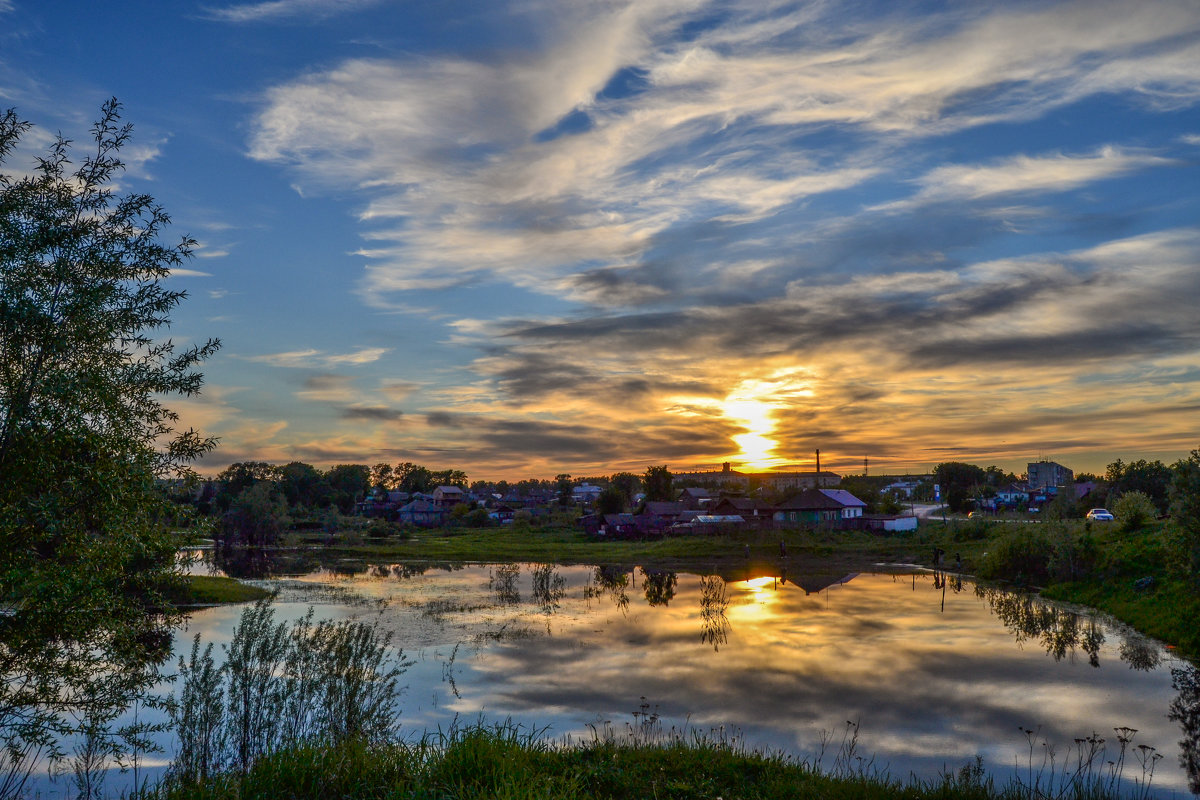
x: 757, y: 513
x: 658, y: 515
x: 585, y: 493
x: 447, y: 496
x: 422, y: 513
x: 695, y: 498
x: 820, y: 506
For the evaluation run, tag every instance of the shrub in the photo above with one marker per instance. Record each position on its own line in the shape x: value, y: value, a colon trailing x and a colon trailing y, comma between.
x: 1022, y: 557
x: 1134, y: 509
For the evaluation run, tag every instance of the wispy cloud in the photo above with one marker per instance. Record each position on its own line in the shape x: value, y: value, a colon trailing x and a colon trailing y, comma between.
x: 312, y: 358
x: 1031, y: 175
x: 276, y: 10
x: 478, y: 162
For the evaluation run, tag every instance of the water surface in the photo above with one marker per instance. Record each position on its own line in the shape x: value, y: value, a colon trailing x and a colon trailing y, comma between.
x: 932, y: 670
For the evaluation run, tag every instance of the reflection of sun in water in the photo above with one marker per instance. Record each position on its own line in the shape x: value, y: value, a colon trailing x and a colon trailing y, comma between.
x: 758, y: 598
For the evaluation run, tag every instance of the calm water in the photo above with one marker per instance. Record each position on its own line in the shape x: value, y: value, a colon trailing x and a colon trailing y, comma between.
x: 934, y: 671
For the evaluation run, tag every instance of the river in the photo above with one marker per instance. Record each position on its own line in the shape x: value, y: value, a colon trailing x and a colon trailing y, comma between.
x: 929, y: 671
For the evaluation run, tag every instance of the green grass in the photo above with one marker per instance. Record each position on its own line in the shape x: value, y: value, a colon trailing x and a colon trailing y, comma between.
x: 505, y: 762
x: 207, y: 590
x: 563, y: 544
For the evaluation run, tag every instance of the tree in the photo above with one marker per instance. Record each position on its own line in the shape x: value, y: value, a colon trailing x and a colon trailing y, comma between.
x: 958, y: 481
x: 1151, y: 478
x: 87, y: 563
x: 257, y: 517
x: 449, y: 477
x: 562, y: 485
x: 348, y: 483
x: 381, y: 477
x: 1185, y: 511
x: 303, y: 484
x: 238, y: 477
x: 657, y: 481
x: 410, y: 477
x: 610, y: 501
x: 627, y: 483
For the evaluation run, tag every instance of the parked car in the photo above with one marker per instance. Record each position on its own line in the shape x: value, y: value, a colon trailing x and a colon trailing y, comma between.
x: 1100, y: 515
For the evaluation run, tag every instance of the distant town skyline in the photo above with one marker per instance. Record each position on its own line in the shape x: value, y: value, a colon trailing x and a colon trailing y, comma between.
x: 586, y: 237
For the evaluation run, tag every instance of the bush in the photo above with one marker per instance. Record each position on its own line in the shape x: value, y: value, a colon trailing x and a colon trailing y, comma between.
x: 1022, y: 557
x: 1134, y: 510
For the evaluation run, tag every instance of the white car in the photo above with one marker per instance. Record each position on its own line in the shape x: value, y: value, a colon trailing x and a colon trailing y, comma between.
x: 1100, y: 515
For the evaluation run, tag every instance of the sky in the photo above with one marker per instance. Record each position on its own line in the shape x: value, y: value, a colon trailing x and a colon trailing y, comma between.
x: 541, y: 236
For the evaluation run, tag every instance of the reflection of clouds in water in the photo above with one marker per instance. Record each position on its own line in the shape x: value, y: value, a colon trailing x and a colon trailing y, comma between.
x: 932, y: 687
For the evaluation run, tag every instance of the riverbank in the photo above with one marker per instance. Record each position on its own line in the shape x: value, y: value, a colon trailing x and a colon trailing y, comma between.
x: 504, y: 761
x: 1126, y: 574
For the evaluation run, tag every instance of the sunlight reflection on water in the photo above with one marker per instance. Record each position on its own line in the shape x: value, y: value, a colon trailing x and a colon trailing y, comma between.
x: 935, y: 670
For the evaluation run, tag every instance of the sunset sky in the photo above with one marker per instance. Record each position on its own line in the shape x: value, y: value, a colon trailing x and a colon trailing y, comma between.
x: 522, y: 238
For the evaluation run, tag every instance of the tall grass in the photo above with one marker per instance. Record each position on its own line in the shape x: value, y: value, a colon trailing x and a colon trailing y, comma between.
x: 282, y: 687
x: 640, y: 760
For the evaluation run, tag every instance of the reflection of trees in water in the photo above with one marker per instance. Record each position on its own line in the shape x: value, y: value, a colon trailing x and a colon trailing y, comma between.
x: 1185, y: 709
x: 258, y: 563
x: 502, y: 579
x: 1060, y: 631
x: 658, y: 586
x: 548, y: 587
x: 613, y: 581
x: 1139, y: 652
x: 714, y: 625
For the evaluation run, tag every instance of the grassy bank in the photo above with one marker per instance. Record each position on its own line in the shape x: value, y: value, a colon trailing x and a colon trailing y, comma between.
x: 1131, y: 579
x: 566, y: 544
x: 207, y: 590
x: 503, y: 762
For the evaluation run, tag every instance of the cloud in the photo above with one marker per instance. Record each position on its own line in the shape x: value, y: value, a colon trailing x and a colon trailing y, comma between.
x: 397, y: 390
x: 364, y: 356
x: 371, y: 413
x: 329, y: 389
x: 703, y: 199
x: 276, y: 10
x: 1028, y: 175
x: 457, y: 151
x: 179, y: 272
x: 312, y: 358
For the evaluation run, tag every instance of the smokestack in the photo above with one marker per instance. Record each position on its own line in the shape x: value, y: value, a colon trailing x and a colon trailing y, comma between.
x: 818, y: 483
x: 866, y: 466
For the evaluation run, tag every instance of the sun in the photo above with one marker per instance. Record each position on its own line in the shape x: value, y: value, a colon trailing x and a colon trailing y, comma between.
x: 754, y: 403
x: 756, y: 443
